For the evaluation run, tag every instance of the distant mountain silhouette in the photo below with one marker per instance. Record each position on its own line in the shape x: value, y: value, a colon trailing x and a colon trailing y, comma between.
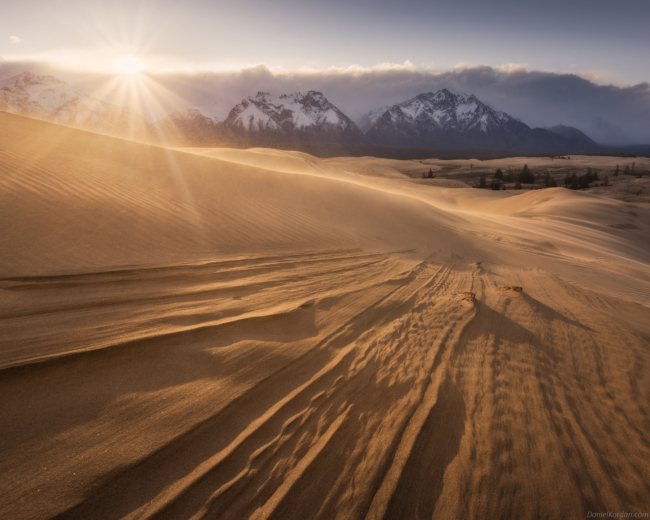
x: 447, y: 119
x: 443, y: 122
x: 48, y: 98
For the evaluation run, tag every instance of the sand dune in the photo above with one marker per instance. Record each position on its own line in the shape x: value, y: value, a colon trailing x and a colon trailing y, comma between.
x: 261, y: 334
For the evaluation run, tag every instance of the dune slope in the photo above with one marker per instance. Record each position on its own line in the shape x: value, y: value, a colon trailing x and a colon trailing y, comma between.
x: 213, y: 335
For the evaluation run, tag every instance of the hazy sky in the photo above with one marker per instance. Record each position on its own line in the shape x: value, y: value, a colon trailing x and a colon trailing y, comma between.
x: 578, y: 62
x: 597, y: 37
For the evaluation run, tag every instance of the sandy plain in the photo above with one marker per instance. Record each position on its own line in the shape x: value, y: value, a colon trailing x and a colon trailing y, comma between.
x: 261, y: 334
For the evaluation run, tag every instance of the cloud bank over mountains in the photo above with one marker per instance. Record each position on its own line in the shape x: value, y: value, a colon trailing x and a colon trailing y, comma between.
x: 607, y: 113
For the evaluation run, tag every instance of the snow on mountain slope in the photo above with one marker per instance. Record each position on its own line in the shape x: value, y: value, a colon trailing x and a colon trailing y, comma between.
x: 453, y: 119
x: 444, y: 119
x: 447, y: 110
x: 36, y: 96
x: 297, y: 116
x: 257, y: 114
x: 46, y: 97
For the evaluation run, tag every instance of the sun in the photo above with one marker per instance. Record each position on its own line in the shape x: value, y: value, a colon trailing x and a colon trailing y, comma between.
x: 128, y: 64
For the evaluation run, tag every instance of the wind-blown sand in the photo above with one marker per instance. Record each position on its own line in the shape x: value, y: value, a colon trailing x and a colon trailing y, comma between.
x: 261, y: 334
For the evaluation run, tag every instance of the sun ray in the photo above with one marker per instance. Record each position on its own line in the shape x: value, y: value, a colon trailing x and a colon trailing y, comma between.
x: 142, y: 94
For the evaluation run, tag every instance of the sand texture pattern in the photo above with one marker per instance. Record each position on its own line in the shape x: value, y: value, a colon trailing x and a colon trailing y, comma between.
x: 231, y: 334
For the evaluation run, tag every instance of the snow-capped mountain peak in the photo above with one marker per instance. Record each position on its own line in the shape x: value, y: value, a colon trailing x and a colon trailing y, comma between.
x: 444, y: 117
x: 49, y: 98
x: 35, y: 95
x: 267, y: 112
x: 446, y: 108
x: 299, y: 115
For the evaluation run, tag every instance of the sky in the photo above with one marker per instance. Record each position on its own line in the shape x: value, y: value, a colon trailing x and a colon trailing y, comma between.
x: 194, y: 46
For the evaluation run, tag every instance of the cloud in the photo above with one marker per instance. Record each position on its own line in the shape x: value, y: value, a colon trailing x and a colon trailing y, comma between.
x: 512, y: 67
x: 14, y: 39
x: 379, y: 67
x: 539, y: 98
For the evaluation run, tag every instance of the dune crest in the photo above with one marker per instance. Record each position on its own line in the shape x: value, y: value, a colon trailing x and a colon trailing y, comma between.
x: 261, y: 334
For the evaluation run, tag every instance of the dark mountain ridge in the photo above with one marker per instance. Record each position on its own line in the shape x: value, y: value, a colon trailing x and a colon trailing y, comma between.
x: 446, y: 119
x: 443, y: 123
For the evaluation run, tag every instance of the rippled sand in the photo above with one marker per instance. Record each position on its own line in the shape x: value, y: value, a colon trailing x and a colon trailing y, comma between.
x: 261, y: 334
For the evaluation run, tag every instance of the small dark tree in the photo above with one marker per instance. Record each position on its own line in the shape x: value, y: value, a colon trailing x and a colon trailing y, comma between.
x: 547, y: 180
x: 552, y: 184
x: 499, y: 175
x: 526, y: 176
x: 590, y: 176
x: 430, y: 174
x: 627, y: 170
x: 517, y: 185
x: 496, y: 185
x: 482, y: 183
x: 616, y: 171
x: 567, y: 180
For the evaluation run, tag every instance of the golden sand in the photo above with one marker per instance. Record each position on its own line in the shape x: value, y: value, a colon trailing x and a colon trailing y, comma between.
x: 259, y: 334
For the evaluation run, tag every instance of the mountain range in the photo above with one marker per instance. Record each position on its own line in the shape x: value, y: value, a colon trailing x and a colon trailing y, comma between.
x: 446, y: 119
x: 294, y: 117
x: 265, y: 120
x: 48, y: 98
x: 442, y: 120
